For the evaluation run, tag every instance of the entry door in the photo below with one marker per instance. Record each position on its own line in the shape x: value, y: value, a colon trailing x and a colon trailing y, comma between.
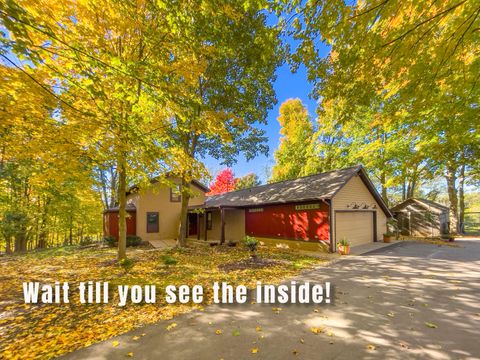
x: 192, y: 224
x: 356, y: 227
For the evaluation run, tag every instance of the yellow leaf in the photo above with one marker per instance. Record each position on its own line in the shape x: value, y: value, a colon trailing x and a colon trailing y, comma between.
x: 218, y: 331
x: 130, y: 354
x: 135, y: 338
x: 371, y: 347
x: 171, y: 326
x: 254, y: 350
x: 258, y: 328
x: 115, y: 343
x: 316, y: 330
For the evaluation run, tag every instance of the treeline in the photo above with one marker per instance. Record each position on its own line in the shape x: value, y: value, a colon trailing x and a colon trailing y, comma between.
x: 397, y: 92
x: 99, y: 95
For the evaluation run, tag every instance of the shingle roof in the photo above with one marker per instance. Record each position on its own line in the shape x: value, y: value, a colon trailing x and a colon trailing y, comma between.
x: 427, y: 204
x: 314, y: 187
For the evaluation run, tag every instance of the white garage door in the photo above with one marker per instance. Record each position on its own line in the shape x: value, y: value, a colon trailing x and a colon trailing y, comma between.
x: 356, y: 227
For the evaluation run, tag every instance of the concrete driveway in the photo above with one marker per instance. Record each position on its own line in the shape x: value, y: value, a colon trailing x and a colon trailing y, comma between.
x: 410, y: 300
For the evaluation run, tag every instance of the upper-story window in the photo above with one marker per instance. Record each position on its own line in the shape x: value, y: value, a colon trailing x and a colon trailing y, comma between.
x: 175, y: 195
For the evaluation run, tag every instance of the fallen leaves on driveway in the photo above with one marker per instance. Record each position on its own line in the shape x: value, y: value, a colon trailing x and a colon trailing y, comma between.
x: 431, y: 325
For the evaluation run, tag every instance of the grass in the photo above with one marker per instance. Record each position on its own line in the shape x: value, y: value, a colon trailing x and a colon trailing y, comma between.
x: 44, y: 331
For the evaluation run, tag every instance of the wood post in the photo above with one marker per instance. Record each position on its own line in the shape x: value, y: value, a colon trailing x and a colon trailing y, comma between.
x: 198, y: 226
x: 222, y: 220
x: 205, y: 225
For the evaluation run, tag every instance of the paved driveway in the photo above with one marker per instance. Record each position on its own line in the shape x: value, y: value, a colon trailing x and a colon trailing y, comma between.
x: 383, y: 302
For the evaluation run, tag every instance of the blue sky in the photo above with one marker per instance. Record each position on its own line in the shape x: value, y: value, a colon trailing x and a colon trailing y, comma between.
x: 287, y: 85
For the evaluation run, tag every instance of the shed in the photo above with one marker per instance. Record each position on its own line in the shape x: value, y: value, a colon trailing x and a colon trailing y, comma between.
x: 421, y: 218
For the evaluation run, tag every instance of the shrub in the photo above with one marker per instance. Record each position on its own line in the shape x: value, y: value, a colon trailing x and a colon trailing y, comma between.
x: 109, y: 240
x: 344, y: 242
x: 168, y: 260
x: 126, y: 264
x: 133, y: 240
x: 251, y: 243
x: 87, y: 240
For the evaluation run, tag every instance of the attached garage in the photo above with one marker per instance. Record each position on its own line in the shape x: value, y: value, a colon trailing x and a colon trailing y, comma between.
x: 356, y: 226
x: 320, y: 209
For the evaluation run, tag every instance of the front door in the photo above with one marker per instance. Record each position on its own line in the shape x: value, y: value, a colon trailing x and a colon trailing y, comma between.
x: 192, y: 224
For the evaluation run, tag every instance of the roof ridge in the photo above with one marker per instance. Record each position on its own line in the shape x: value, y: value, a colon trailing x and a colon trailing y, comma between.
x: 282, y: 181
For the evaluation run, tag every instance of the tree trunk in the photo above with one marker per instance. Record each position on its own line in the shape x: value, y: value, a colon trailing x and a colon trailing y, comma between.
x: 461, y: 200
x: 8, y: 247
x: 452, y: 197
x: 122, y: 207
x: 182, y: 226
x: 383, y: 180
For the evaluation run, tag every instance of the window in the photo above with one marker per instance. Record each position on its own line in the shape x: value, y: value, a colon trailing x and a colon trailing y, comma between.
x: 152, y: 222
x: 209, y: 220
x: 175, y: 195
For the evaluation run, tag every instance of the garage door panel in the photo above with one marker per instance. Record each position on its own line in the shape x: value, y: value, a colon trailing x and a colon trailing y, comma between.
x: 356, y: 227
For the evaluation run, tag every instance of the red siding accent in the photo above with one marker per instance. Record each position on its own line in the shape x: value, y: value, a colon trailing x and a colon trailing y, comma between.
x: 283, y: 221
x: 110, y: 227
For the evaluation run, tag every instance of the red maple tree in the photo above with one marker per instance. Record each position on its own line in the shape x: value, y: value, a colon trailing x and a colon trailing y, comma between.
x: 224, y: 182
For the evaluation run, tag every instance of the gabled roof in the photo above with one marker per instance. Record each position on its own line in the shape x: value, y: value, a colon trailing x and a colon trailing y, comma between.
x: 323, y: 186
x: 197, y: 183
x: 423, y: 203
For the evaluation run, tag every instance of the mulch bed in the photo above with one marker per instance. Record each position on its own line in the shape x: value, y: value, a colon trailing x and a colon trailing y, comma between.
x: 250, y: 263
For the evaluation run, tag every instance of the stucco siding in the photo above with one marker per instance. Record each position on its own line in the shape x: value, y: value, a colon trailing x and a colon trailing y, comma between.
x: 157, y: 199
x: 356, y: 192
x: 234, y: 225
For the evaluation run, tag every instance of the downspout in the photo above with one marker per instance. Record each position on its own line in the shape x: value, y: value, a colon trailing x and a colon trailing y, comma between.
x: 333, y: 242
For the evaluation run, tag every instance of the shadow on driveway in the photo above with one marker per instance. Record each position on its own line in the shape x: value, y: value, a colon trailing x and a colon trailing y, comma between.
x: 411, y: 300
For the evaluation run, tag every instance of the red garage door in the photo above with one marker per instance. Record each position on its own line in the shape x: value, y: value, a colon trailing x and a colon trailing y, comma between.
x: 289, y: 221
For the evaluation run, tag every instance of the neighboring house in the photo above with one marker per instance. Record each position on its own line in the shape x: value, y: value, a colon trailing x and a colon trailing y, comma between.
x: 153, y: 214
x: 421, y: 218
x: 312, y: 212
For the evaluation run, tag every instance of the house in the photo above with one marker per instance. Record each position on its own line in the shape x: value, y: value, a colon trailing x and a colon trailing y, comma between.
x: 153, y: 213
x: 421, y: 218
x: 311, y: 213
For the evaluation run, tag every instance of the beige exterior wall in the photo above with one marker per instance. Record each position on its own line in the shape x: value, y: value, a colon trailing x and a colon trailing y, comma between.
x: 157, y: 199
x: 234, y: 225
x: 355, y: 191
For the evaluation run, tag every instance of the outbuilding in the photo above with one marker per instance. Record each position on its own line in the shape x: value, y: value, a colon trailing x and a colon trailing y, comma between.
x: 421, y: 218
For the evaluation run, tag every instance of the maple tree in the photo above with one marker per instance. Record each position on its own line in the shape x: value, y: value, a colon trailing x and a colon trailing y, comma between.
x: 247, y: 181
x: 224, y: 182
x: 295, y: 144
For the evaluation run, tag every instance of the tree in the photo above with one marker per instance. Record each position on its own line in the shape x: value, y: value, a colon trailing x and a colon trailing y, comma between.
x: 218, y: 108
x: 247, y: 181
x: 412, y: 66
x: 224, y: 182
x: 109, y: 61
x: 297, y: 133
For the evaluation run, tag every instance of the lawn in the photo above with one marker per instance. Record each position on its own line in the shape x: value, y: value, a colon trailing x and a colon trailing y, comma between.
x: 45, y: 331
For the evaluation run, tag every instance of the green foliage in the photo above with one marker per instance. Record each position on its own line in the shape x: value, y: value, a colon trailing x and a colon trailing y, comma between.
x: 133, y: 240
x: 109, y: 240
x: 247, y: 181
x: 126, y: 264
x: 168, y: 260
x: 251, y: 243
x: 344, y: 242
